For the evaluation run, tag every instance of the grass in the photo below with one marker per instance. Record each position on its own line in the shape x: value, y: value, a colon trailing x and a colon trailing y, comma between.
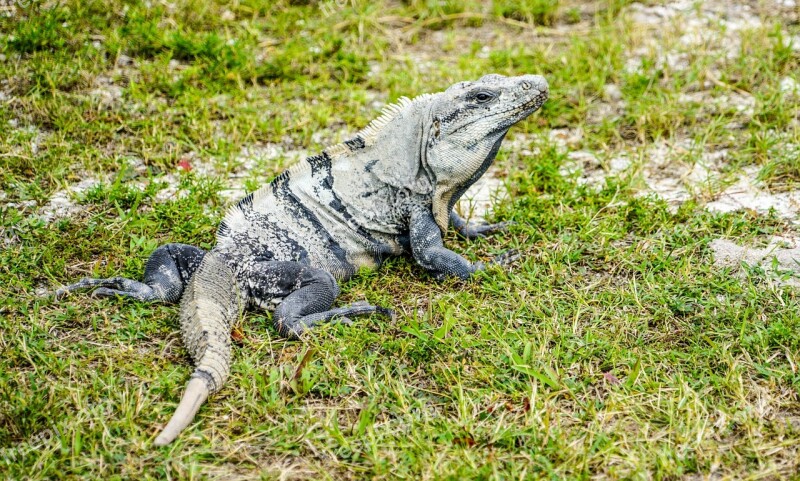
x: 614, y: 349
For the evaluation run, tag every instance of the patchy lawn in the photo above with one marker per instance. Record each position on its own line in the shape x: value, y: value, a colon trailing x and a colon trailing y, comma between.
x: 651, y: 329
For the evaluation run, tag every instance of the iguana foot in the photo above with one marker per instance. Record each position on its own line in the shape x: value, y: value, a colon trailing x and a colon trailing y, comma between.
x: 506, y: 258
x: 306, y: 296
x: 478, y: 231
x: 168, y: 270
x: 471, y: 231
x: 113, y: 286
x: 296, y: 327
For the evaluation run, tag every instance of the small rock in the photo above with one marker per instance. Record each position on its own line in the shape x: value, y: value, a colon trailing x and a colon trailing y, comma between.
x: 566, y: 137
x: 21, y: 205
x: 583, y: 157
x: 789, y: 86
x: 619, y: 164
x: 124, y: 61
x: 745, y: 194
x: 61, y: 203
x: 780, y: 257
x: 612, y: 92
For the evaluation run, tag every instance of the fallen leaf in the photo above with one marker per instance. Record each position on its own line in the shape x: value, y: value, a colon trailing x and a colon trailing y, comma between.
x: 237, y: 335
x: 611, y: 378
x: 467, y: 441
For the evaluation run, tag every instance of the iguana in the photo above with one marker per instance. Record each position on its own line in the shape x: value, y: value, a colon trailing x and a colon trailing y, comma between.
x: 388, y: 190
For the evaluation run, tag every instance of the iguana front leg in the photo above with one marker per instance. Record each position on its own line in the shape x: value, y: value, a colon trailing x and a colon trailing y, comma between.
x: 474, y: 231
x: 169, y: 268
x: 429, y: 250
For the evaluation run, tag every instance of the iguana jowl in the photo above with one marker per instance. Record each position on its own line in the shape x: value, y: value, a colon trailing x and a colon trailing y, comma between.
x: 387, y: 191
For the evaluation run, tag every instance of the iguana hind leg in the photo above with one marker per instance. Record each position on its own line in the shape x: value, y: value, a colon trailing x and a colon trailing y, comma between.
x: 307, y: 295
x: 294, y: 319
x: 168, y: 270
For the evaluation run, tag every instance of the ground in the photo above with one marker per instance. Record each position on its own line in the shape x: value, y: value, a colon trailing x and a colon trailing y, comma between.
x: 650, y: 330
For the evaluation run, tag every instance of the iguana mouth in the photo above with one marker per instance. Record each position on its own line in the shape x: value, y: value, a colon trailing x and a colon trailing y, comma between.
x: 533, y: 104
x: 529, y: 107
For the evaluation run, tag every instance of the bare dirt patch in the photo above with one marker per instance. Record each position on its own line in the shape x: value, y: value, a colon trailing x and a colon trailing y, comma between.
x: 63, y: 204
x: 780, y: 259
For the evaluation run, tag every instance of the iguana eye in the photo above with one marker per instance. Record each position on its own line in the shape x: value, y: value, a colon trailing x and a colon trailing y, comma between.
x: 483, y: 97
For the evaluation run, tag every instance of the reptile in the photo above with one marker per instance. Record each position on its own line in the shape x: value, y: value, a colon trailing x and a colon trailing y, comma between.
x: 387, y: 191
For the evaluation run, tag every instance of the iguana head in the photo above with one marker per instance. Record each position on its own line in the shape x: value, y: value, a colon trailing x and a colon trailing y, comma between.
x: 467, y: 123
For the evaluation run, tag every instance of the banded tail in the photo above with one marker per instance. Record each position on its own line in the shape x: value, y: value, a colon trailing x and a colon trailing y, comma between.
x: 209, y: 306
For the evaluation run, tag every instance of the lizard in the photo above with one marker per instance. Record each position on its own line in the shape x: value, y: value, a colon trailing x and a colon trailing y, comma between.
x: 389, y: 190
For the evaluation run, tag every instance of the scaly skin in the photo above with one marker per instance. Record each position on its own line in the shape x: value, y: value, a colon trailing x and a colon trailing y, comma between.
x: 390, y: 190
x: 209, y: 308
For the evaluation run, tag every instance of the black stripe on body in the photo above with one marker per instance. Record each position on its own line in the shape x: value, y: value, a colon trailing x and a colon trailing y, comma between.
x: 256, y: 237
x: 321, y: 167
x: 295, y: 206
x: 223, y: 230
x: 356, y: 143
x: 368, y: 167
x: 245, y: 204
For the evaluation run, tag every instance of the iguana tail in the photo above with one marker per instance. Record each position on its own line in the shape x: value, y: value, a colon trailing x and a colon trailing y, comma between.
x: 209, y: 306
